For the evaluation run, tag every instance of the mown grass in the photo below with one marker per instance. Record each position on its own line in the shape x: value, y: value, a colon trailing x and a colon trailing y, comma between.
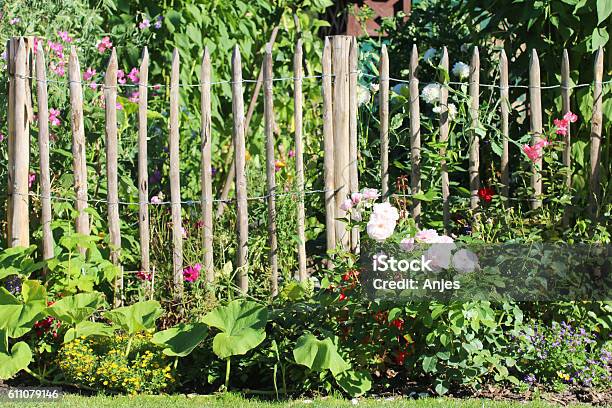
x: 237, y: 401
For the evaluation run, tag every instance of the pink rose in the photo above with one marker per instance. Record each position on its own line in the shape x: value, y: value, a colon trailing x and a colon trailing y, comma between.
x: 370, y: 194
x: 465, y: 261
x: 356, y: 197
x: 428, y: 236
x: 533, y: 153
x: 407, y: 244
x: 346, y: 205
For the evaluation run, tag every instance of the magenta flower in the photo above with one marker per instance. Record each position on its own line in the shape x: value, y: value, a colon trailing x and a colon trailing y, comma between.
x: 121, y: 77
x: 1, y: 137
x: 104, y: 45
x: 144, y: 276
x: 53, y: 117
x: 133, y: 75
x: 156, y: 199
x: 292, y: 153
x: 119, y: 106
x: 31, y: 179
x: 561, y: 125
x: 192, y: 273
x: 144, y: 24
x: 532, y: 152
x: 156, y: 87
x: 58, y: 69
x: 93, y: 85
x: 64, y: 36
x: 90, y: 73
x: 134, y: 97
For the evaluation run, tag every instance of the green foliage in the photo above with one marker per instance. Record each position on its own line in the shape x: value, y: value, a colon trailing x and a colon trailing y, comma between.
x: 179, y: 341
x: 75, y: 309
x: 242, y: 325
x: 135, y: 318
x: 319, y: 355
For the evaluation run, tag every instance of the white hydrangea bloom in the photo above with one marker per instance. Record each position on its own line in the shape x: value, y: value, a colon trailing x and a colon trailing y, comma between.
x: 431, y: 93
x: 429, y: 54
x: 461, y: 70
x: 363, y: 95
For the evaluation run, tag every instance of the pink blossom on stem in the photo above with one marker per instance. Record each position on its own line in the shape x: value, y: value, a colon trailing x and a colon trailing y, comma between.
x: 370, y: 194
x: 31, y: 179
x: 121, y: 76
x: 571, y: 117
x: 133, y: 75
x: 561, y: 125
x: 119, y: 106
x: 104, y: 45
x: 532, y: 152
x: 90, y: 73
x: 346, y: 205
x: 53, y: 117
x: 64, y: 36
x: 134, y: 97
x: 144, y: 24
x: 93, y: 85
x: 356, y: 197
x: 292, y: 153
x: 192, y: 273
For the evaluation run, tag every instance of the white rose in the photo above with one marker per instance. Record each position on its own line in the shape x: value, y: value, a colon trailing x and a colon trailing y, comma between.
x: 431, y: 93
x: 465, y: 261
x: 461, y: 70
x: 386, y: 210
x: 440, y: 255
x: 379, y: 227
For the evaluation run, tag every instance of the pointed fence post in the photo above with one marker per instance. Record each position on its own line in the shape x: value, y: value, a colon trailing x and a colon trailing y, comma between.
x: 353, y: 141
x: 20, y: 222
x: 535, y: 102
x: 567, y: 139
x: 110, y: 100
x: 43, y: 148
x: 415, y: 135
x: 78, y: 143
x: 505, y: 128
x: 206, y: 170
x: 175, y: 181
x: 474, y: 156
x: 341, y: 133
x: 143, y: 175
x: 596, y: 133
x: 384, y: 121
x: 328, y: 147
x: 444, y: 128
x: 241, y: 182
x: 299, y: 158
x: 270, y: 169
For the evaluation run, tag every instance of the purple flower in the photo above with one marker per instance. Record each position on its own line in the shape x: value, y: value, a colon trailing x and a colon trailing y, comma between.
x: 144, y: 24
x: 155, y: 177
x: 530, y: 379
x: 13, y: 284
x: 158, y: 22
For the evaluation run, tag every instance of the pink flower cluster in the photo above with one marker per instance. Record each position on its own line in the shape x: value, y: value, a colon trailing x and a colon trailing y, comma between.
x: 144, y: 276
x: 192, y: 273
x: 534, y: 152
x: 104, y: 44
x: 53, y: 117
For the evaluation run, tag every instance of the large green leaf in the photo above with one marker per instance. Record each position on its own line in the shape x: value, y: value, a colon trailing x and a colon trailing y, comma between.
x: 15, y: 361
x: 88, y: 329
x: 604, y: 9
x: 355, y: 383
x: 137, y: 317
x: 17, y: 318
x: 319, y: 355
x: 76, y: 308
x: 182, y: 339
x: 242, y: 326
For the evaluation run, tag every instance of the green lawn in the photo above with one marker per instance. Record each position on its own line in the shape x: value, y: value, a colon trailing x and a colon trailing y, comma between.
x: 237, y: 401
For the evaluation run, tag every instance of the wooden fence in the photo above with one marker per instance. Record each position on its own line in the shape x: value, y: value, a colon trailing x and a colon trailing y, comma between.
x: 339, y: 96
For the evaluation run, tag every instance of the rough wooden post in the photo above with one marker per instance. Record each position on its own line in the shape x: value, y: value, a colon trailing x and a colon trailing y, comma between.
x: 175, y: 180
x: 43, y: 147
x: 20, y: 234
x: 231, y: 174
x: 11, y: 50
x: 384, y: 121
x: 78, y: 143
x: 206, y: 169
x: 341, y: 133
x: 299, y: 158
x: 567, y: 139
x: 596, y: 129
x: 353, y: 142
x: 415, y: 134
x: 444, y: 127
x: 242, y: 215
x: 328, y: 148
x: 143, y: 175
x: 270, y: 169
x: 505, y: 113
x: 535, y: 102
x: 474, y: 159
x: 110, y: 101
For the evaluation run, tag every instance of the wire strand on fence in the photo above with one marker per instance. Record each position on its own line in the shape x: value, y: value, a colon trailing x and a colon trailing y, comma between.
x: 363, y: 74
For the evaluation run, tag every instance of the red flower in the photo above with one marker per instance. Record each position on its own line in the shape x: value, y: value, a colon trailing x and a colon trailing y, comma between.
x: 399, y: 357
x: 342, y: 297
x: 145, y: 276
x: 398, y: 323
x: 486, y: 194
